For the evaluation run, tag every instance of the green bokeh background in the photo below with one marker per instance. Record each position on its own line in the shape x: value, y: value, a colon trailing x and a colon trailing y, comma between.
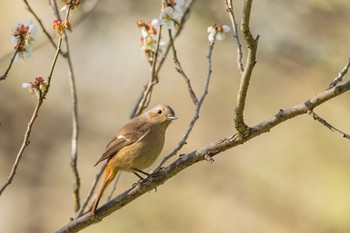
x: 292, y: 179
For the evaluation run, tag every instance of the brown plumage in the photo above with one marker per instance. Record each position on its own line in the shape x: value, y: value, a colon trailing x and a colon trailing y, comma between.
x: 136, y: 146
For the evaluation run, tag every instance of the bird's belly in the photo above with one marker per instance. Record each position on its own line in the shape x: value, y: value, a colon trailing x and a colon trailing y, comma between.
x: 139, y: 155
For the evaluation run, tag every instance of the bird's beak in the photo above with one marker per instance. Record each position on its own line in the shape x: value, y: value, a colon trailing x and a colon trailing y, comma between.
x: 172, y: 118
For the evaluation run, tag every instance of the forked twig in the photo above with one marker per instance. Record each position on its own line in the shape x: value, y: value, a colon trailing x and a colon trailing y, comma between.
x: 195, y: 115
x: 49, y: 37
x: 141, y: 103
x: 341, y: 74
x: 179, y: 69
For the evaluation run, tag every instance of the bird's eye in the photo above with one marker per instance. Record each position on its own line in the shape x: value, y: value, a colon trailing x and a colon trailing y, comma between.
x: 159, y: 111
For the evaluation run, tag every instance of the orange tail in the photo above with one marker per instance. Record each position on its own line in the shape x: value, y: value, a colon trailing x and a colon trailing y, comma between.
x: 109, y: 176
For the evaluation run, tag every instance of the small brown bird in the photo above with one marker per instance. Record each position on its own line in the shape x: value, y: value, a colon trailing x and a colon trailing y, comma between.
x: 136, y: 146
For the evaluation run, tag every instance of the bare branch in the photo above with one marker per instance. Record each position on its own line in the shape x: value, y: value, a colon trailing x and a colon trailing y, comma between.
x: 329, y: 126
x: 24, y: 145
x: 229, y: 8
x: 75, y: 131
x: 341, y: 74
x: 179, y: 69
x: 4, y: 76
x: 91, y: 191
x: 252, y: 45
x: 75, y: 122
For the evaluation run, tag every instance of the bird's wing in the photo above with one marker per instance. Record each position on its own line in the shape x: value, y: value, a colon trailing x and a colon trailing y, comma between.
x: 126, y: 137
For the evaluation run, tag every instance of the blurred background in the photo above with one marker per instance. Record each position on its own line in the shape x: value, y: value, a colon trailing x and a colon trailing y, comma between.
x: 292, y: 179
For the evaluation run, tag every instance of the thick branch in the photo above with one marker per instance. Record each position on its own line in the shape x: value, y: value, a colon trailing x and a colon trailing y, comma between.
x: 252, y: 45
x: 201, y: 154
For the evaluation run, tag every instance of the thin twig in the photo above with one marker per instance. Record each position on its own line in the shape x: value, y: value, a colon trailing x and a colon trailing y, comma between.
x: 3, y: 77
x: 195, y: 115
x: 252, y: 45
x: 341, y: 74
x: 75, y: 131
x: 329, y: 126
x: 229, y: 7
x: 43, y: 27
x: 27, y: 134
x: 91, y: 192
x: 24, y: 145
x: 179, y: 69
x: 114, y: 186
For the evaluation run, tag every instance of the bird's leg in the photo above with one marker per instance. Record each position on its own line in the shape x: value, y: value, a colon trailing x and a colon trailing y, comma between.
x: 141, y: 178
x: 140, y: 171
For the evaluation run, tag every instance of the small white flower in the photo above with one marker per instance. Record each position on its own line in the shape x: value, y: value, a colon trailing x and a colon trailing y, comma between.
x: 27, y: 85
x: 169, y: 17
x: 217, y: 32
x: 37, y: 87
x: 155, y: 22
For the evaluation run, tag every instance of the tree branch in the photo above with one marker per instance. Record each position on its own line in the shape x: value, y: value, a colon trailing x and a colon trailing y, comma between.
x: 185, y: 161
x: 252, y: 45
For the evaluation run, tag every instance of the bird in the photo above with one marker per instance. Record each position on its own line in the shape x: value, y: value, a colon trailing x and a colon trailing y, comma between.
x: 136, y: 145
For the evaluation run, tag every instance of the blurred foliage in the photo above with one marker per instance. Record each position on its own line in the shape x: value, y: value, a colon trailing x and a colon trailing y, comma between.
x: 293, y: 179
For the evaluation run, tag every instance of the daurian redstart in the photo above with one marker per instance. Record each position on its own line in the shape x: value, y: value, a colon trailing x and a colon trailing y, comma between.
x: 136, y: 146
